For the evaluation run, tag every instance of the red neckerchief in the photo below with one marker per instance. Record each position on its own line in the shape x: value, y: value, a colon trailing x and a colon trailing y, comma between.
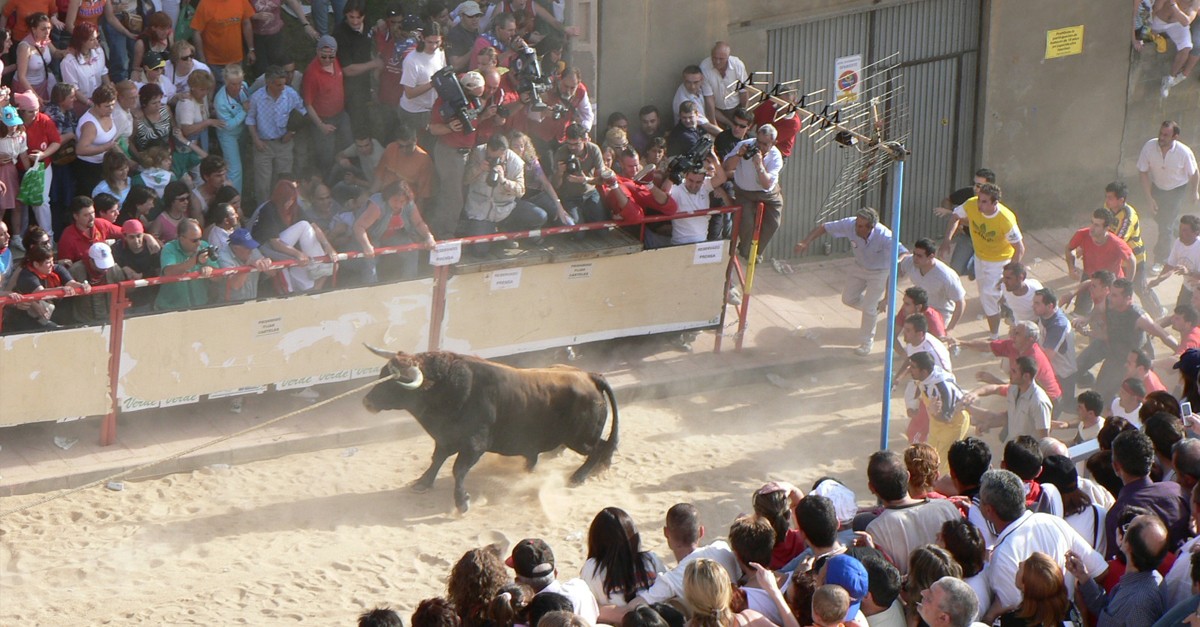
x: 50, y: 281
x: 1035, y: 492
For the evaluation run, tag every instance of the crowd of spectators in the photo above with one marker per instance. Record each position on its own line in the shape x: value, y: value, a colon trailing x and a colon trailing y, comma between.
x: 433, y: 121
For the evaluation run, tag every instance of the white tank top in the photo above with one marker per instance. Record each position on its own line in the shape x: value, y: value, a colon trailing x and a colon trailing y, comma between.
x: 102, y: 136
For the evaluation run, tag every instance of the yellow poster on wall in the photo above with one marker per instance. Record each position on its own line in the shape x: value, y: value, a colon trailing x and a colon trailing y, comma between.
x: 1064, y: 42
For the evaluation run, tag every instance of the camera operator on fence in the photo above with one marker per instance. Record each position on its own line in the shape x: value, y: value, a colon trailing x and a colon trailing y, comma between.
x: 452, y: 122
x: 695, y: 175
x: 755, y: 164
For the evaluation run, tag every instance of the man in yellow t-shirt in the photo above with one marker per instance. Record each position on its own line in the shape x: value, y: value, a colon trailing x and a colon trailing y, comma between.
x: 1128, y: 227
x: 997, y: 241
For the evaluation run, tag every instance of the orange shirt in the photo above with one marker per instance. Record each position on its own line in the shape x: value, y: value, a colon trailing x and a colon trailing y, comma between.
x: 220, y: 25
x: 23, y: 9
x: 415, y: 168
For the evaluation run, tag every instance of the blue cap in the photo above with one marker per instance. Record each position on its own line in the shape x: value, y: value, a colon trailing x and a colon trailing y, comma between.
x: 241, y: 237
x: 10, y: 116
x: 849, y: 573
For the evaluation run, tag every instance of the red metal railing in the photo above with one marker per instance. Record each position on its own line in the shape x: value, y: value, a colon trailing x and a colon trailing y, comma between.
x: 120, y: 302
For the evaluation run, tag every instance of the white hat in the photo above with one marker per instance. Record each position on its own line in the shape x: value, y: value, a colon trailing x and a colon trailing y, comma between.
x: 471, y: 80
x: 101, y: 256
x: 844, y: 503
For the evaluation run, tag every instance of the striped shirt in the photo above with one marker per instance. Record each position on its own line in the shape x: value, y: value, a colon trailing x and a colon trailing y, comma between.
x: 1129, y: 228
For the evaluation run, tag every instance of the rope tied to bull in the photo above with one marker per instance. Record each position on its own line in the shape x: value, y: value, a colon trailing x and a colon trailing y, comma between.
x: 198, y: 447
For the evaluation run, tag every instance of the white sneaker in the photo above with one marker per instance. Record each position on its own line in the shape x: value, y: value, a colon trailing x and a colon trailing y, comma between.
x: 1167, y: 83
x: 864, y: 349
x: 1156, y: 268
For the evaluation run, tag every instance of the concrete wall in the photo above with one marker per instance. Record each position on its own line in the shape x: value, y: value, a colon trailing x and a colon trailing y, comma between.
x: 1052, y: 129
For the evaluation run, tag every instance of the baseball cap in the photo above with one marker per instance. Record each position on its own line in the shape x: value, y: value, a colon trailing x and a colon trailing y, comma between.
x: 327, y: 41
x: 10, y: 116
x: 471, y: 80
x: 849, y: 573
x: 469, y: 8
x: 153, y: 61
x: 132, y: 227
x: 242, y: 237
x: 1189, y: 362
x: 412, y: 22
x: 101, y: 256
x: 531, y: 558
x: 393, y: 9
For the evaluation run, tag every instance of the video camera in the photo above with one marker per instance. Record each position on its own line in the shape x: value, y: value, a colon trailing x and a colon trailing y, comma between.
x: 455, y: 102
x: 690, y: 161
x: 530, y: 80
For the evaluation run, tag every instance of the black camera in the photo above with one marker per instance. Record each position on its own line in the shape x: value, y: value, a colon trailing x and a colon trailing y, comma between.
x: 750, y: 151
x: 455, y: 102
x: 690, y: 161
x: 493, y: 177
x: 572, y: 164
x: 211, y: 251
x: 503, y: 111
x: 559, y: 110
x: 530, y: 79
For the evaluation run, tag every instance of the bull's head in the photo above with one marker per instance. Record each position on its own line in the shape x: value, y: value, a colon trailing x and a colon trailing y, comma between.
x: 409, y: 378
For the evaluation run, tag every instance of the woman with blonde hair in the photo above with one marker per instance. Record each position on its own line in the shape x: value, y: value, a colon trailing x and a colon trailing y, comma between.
x: 1043, y: 589
x: 707, y: 590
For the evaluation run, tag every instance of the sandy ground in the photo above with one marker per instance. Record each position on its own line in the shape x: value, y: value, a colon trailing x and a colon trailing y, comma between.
x: 318, y: 538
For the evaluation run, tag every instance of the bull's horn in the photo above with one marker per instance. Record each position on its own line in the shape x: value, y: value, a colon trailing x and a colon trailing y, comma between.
x: 386, y: 354
x: 417, y: 379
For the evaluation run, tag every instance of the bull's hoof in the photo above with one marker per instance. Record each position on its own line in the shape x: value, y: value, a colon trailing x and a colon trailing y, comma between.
x: 463, y: 504
x: 421, y: 487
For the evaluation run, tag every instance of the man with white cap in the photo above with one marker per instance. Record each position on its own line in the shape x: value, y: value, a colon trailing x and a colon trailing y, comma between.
x: 533, y: 562
x: 455, y: 140
x: 461, y: 38
x: 97, y: 268
x: 324, y: 93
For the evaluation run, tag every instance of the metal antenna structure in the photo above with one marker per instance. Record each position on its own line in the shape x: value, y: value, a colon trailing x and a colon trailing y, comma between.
x: 867, y: 117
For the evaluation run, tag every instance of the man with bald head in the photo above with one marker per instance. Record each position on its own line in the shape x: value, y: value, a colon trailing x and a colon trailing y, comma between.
x: 499, y: 106
x: 722, y: 71
x: 1136, y: 601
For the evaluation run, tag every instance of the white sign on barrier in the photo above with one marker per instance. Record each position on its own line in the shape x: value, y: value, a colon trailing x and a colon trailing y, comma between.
x: 254, y: 389
x: 362, y: 373
x: 335, y: 377
x: 445, y: 254
x: 506, y: 279
x: 291, y: 384
x: 268, y: 327
x: 579, y: 271
x: 180, y: 400
x: 137, y: 404
x: 708, y: 252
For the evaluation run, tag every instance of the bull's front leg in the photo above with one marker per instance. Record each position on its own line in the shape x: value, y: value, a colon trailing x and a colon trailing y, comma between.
x: 441, y: 453
x: 462, y: 464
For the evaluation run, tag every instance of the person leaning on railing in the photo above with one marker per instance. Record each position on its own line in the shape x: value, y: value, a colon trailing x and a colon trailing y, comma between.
x: 185, y: 254
x: 39, y: 272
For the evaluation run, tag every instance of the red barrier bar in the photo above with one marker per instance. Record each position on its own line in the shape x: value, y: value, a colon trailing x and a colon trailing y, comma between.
x: 437, y: 313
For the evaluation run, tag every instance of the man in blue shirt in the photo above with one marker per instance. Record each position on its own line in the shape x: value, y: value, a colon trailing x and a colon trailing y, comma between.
x: 268, y: 121
x: 1057, y: 341
x: 866, y: 282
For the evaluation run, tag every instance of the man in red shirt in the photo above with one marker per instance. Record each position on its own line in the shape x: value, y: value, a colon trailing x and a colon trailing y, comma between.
x: 632, y: 198
x: 916, y: 301
x: 1186, y: 320
x: 500, y: 104
x: 86, y: 230
x: 454, y: 144
x: 1022, y: 342
x: 1100, y: 249
x: 1139, y: 366
x: 787, y: 126
x: 324, y: 92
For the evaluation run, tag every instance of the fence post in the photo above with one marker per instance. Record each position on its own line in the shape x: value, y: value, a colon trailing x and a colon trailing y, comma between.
x: 116, y: 336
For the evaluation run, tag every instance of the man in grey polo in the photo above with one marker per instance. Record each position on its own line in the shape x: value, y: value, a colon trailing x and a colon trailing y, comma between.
x: 940, y: 281
x: 866, y: 281
x: 1169, y: 178
x: 1028, y: 407
x: 755, y: 164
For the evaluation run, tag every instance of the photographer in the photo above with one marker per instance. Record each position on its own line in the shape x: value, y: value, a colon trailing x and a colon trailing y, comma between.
x: 495, y: 184
x: 187, y: 253
x: 577, y: 164
x: 567, y: 102
x: 630, y: 199
x: 691, y: 196
x: 452, y: 124
x: 499, y: 105
x: 686, y: 132
x: 755, y: 164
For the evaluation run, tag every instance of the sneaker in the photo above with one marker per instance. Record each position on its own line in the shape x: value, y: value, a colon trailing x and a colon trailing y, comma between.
x: 735, y: 297
x: 864, y: 349
x: 1167, y: 84
x: 1156, y: 268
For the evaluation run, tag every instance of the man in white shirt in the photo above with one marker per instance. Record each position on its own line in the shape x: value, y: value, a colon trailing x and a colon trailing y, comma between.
x: 533, y: 562
x: 1184, y: 259
x: 1177, y: 585
x: 940, y: 281
x: 1018, y: 292
x: 1019, y: 533
x: 882, y: 605
x: 683, y: 532
x: 722, y: 72
x: 691, y: 197
x: 695, y: 89
x: 1169, y: 178
x: 905, y: 523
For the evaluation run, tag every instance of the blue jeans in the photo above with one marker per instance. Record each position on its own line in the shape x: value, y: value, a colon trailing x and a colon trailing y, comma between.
x: 585, y: 208
x: 120, y: 52
x: 320, y: 14
x: 525, y: 216
x: 231, y: 148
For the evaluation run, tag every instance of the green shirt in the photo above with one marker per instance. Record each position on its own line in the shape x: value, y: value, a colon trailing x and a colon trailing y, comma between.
x: 184, y: 294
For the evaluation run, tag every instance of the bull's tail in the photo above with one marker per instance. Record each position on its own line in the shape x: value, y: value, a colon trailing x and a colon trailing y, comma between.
x: 601, y: 456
